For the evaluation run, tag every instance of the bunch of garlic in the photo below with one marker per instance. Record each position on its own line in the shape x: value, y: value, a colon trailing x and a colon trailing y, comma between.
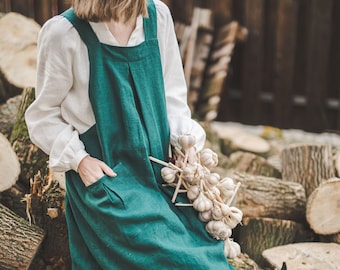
x: 210, y: 195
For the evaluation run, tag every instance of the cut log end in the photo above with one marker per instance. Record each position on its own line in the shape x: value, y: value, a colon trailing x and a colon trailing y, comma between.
x: 9, y: 164
x: 323, y: 208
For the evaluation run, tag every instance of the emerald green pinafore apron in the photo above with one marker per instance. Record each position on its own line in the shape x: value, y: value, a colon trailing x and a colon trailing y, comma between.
x: 128, y: 221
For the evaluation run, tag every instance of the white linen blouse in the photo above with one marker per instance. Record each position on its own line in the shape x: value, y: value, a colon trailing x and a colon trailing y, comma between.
x: 62, y: 109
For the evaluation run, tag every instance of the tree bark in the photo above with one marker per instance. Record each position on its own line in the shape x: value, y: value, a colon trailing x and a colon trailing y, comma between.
x: 48, y: 212
x: 323, y: 208
x: 31, y: 158
x: 307, y: 164
x: 8, y: 113
x: 243, y: 262
x: 245, y: 162
x: 19, y: 240
x: 259, y: 234
x: 261, y: 196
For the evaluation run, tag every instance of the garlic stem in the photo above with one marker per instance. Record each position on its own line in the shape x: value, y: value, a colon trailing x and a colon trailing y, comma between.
x: 179, y: 183
x: 234, y: 194
x: 167, y: 164
x: 178, y: 151
x: 184, y: 204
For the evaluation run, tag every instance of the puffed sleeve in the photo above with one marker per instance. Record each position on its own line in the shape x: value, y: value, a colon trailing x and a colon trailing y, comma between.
x: 46, y: 126
x: 179, y: 114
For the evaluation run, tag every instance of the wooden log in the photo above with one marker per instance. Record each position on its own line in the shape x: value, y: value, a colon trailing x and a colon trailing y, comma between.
x: 19, y: 240
x: 307, y: 164
x: 246, y: 162
x: 259, y: 234
x: 216, y: 71
x: 244, y: 262
x: 31, y: 158
x: 235, y: 138
x: 333, y: 238
x: 9, y: 164
x: 311, y: 255
x: 261, y: 196
x: 47, y: 211
x: 323, y: 208
x: 12, y: 199
x: 18, y: 49
x: 8, y: 112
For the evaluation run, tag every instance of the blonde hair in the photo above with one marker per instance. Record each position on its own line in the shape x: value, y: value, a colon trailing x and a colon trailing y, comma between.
x: 105, y: 10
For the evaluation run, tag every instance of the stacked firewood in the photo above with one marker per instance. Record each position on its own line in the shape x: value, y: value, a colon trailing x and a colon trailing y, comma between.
x: 289, y: 193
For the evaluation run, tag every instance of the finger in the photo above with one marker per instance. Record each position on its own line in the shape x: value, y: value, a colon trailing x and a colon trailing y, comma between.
x: 108, y: 171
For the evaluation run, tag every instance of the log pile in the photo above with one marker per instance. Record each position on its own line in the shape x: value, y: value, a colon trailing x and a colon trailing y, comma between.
x: 206, y: 53
x: 298, y: 203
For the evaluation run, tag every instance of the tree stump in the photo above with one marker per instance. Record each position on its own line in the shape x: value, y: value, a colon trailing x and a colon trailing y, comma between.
x: 259, y: 234
x: 31, y: 158
x: 261, y: 196
x: 48, y: 212
x: 307, y: 164
x: 310, y: 255
x: 246, y: 162
x: 9, y: 164
x: 19, y: 240
x: 323, y: 208
x: 18, y: 49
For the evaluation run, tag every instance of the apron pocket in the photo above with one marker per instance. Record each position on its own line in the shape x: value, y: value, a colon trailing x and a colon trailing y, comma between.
x: 103, y: 192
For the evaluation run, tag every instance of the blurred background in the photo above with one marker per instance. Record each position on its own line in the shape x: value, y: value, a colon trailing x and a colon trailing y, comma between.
x: 284, y: 71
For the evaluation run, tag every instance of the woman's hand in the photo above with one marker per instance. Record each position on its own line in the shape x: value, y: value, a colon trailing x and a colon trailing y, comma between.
x: 91, y: 169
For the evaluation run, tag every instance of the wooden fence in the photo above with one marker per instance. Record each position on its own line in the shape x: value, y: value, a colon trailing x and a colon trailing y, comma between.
x: 287, y: 73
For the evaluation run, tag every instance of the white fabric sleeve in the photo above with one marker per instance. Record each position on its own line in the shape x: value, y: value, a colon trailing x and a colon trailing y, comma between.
x: 179, y: 114
x: 46, y: 126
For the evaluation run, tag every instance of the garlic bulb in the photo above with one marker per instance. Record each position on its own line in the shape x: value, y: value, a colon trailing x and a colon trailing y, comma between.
x: 215, y: 192
x: 216, y: 212
x: 227, y: 187
x: 188, y: 173
x: 202, y: 203
x: 205, y: 216
x: 193, y: 192
x: 218, y: 229
x: 212, y: 179
x: 234, y: 217
x: 186, y: 141
x: 208, y: 158
x: 231, y: 249
x: 168, y: 174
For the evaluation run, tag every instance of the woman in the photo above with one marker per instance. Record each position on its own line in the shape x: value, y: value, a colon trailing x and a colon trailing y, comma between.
x: 111, y: 93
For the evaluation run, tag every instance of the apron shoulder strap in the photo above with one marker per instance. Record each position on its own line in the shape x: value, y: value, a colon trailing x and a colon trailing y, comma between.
x: 83, y: 28
x: 150, y: 23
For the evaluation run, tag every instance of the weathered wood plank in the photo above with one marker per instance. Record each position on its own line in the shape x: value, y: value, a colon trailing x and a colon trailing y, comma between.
x: 318, y: 45
x: 252, y: 77
x: 284, y: 60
